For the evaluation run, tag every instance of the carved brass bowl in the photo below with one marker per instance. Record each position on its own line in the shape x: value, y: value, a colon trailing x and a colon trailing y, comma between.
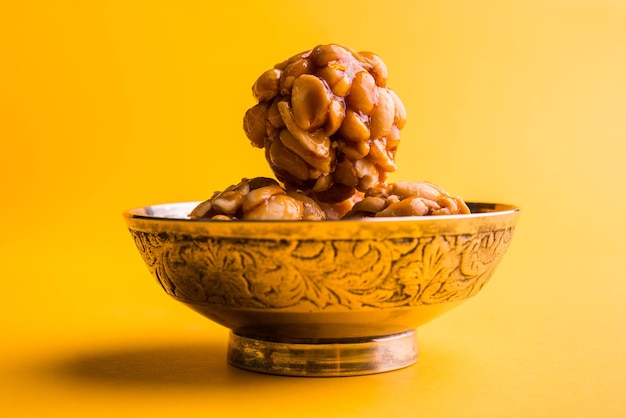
x: 322, y: 298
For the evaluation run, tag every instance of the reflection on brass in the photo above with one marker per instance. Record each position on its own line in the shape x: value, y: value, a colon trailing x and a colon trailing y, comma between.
x: 318, y: 286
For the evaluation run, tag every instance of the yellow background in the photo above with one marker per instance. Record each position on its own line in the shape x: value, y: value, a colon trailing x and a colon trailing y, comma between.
x: 107, y: 105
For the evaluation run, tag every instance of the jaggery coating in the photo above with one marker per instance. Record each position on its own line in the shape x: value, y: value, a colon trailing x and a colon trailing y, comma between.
x: 407, y: 199
x: 259, y: 198
x: 327, y: 121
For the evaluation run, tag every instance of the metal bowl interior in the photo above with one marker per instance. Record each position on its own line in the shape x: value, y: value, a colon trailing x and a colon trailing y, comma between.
x: 321, y: 282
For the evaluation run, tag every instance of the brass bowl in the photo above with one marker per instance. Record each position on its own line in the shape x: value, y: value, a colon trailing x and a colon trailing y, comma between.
x: 322, y: 298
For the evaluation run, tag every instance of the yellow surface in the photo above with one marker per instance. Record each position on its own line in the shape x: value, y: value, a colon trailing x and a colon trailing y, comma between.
x: 106, y: 105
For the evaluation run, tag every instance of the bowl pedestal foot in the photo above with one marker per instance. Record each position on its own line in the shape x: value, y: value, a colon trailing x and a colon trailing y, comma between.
x: 323, y: 358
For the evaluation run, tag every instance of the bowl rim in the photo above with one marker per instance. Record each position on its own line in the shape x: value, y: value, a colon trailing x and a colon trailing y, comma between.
x: 148, y: 212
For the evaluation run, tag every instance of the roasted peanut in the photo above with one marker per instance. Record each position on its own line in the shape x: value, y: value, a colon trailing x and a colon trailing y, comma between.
x: 228, y: 203
x: 312, y: 211
x: 315, y: 142
x: 287, y: 166
x: 411, y: 206
x: 282, y: 65
x: 322, y: 183
x: 378, y: 67
x: 393, y: 139
x: 345, y: 173
x: 367, y: 173
x: 257, y: 196
x: 202, y: 209
x: 221, y: 218
x: 266, y: 86
x: 254, y: 124
x: 355, y: 150
x: 338, y: 78
x: 354, y: 127
x: 277, y: 207
x: 380, y: 156
x: 336, y: 115
x: 322, y: 55
x: 370, y: 204
x: 310, y: 101
x: 291, y: 72
x: 399, y: 116
x: 382, y: 115
x: 423, y: 189
x: 292, y: 144
x: 273, y: 115
x: 363, y: 94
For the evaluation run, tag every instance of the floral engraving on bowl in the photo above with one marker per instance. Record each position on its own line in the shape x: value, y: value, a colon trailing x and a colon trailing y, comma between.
x: 322, y: 275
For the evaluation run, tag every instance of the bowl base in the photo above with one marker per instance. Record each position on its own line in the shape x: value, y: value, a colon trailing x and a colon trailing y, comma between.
x: 323, y: 358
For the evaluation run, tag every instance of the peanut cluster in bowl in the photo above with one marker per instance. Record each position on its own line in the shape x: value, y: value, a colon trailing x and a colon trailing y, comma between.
x: 262, y: 198
x: 259, y: 198
x: 330, y: 128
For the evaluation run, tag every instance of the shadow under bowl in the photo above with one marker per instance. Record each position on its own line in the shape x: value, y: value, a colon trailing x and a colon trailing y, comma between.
x: 322, y: 298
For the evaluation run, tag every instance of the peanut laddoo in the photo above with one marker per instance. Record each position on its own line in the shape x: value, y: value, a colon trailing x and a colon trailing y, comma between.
x: 327, y: 121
